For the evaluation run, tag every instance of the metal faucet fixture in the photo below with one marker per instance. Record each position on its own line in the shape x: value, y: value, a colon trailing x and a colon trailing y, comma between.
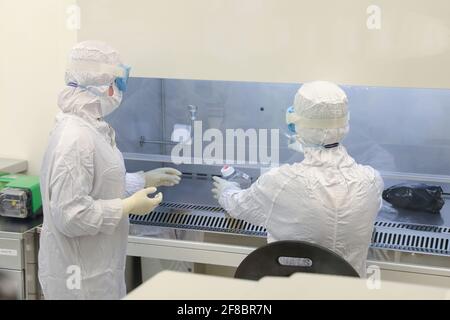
x: 192, y: 117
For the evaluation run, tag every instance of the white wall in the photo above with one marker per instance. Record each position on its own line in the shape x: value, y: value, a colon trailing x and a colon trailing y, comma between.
x: 278, y: 40
x: 260, y: 40
x: 34, y: 41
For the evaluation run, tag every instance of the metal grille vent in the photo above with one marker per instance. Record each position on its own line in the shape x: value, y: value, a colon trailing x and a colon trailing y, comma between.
x: 197, y: 176
x: 417, y: 227
x: 197, y: 217
x: 386, y: 235
x: 411, y: 237
x: 191, y: 207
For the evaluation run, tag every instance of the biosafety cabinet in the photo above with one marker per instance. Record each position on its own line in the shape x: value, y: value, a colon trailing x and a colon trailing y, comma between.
x: 401, y: 132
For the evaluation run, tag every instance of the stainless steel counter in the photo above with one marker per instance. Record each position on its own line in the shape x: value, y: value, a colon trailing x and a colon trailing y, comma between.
x: 15, y: 228
x: 18, y: 257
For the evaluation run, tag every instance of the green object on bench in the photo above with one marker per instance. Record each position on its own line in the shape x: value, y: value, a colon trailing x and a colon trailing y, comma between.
x: 20, y: 195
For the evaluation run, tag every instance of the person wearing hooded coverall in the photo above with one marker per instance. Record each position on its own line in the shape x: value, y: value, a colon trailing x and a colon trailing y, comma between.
x: 328, y: 198
x: 87, y: 195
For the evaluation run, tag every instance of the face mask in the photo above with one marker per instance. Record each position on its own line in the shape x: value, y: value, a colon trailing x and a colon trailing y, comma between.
x: 293, y: 143
x: 107, y: 103
x: 296, y: 146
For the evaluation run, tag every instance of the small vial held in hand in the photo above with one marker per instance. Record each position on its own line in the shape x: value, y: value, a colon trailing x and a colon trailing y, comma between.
x: 233, y: 175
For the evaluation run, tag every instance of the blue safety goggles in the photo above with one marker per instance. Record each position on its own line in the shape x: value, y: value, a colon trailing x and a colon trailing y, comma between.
x: 120, y: 72
x: 291, y: 125
x: 121, y: 82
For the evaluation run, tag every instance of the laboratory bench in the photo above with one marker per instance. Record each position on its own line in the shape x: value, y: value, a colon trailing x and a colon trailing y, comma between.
x: 18, y: 257
x: 228, y: 251
x: 406, y: 247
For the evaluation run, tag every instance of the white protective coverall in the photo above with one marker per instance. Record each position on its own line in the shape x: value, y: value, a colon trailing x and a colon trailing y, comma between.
x: 84, y: 235
x: 327, y: 199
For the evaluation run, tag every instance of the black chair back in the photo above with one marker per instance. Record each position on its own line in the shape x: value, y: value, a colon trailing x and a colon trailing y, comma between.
x: 283, y: 258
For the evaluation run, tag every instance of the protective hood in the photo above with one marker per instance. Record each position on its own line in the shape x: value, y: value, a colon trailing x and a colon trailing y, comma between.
x: 86, y: 105
x: 320, y: 114
x: 87, y: 90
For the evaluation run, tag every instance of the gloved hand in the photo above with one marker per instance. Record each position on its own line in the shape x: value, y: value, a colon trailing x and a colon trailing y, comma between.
x: 220, y: 185
x: 140, y: 204
x: 167, y: 177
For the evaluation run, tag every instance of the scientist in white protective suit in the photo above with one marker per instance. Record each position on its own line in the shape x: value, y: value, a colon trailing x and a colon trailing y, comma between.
x: 328, y: 198
x: 86, y: 193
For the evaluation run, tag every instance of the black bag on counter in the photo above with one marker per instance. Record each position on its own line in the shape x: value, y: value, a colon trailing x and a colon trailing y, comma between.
x: 418, y: 197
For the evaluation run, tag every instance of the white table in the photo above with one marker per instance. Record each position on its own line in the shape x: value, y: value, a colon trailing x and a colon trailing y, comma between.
x: 180, y: 286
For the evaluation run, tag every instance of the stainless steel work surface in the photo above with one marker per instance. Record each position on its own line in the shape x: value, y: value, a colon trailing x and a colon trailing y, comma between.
x: 15, y: 228
x: 442, y: 219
